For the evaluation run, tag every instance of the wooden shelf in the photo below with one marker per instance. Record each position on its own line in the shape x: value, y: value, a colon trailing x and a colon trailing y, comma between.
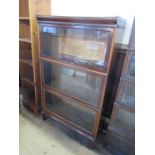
x: 27, y: 40
x: 26, y: 71
x: 28, y: 62
x: 24, y: 18
x: 28, y: 50
x: 28, y: 81
x: 28, y: 92
x: 24, y: 29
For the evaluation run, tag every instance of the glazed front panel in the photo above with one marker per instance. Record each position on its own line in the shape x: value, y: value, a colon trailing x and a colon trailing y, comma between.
x: 80, y: 85
x: 80, y: 46
x: 71, y: 111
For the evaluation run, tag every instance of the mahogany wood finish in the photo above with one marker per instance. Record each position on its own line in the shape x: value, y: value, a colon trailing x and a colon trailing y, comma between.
x: 68, y: 80
x: 106, y: 21
x: 28, y: 50
x: 117, y: 62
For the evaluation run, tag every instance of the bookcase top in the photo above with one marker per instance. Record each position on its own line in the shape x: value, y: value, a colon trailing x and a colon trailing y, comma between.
x: 109, y: 21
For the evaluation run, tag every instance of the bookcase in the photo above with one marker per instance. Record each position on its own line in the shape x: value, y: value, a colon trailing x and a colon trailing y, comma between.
x: 121, y: 131
x: 75, y: 58
x: 28, y: 50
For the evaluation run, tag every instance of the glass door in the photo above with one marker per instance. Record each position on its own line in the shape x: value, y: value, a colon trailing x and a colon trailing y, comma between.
x: 129, y: 69
x: 126, y: 94
x: 79, y: 85
x: 84, y: 47
x: 123, y: 123
x: 75, y: 113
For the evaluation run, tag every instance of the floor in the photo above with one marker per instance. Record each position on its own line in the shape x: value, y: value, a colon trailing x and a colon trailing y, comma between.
x: 38, y: 137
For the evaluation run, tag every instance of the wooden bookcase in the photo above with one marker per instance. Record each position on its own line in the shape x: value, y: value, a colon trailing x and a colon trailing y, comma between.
x: 121, y: 129
x: 75, y: 58
x: 28, y: 50
x: 122, y: 123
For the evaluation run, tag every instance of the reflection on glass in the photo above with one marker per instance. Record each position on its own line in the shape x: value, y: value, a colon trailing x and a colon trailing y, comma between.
x: 131, y: 69
x: 127, y: 94
x: 70, y: 111
x: 81, y: 85
x: 80, y: 46
x: 125, y: 123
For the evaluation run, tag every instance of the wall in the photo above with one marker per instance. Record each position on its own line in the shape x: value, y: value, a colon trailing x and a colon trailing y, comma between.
x: 94, y: 8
